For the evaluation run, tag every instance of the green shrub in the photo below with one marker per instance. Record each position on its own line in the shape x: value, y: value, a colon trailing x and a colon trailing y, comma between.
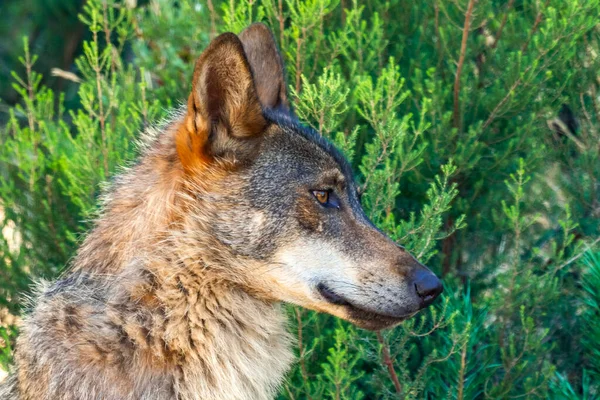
x: 457, y: 118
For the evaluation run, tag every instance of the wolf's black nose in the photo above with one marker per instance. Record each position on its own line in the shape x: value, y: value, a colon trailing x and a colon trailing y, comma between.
x: 428, y: 286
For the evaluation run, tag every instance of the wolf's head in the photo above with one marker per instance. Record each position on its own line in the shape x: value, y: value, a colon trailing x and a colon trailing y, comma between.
x: 279, y: 202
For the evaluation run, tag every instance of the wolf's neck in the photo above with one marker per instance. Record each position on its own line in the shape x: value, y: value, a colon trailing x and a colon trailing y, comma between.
x: 212, y: 338
x: 136, y: 212
x: 207, y: 336
x: 229, y: 345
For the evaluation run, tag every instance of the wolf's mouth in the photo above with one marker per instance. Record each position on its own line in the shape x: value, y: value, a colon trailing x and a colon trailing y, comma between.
x: 331, y: 296
x: 364, y: 318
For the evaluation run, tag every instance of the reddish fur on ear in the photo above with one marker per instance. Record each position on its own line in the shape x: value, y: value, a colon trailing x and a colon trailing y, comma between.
x: 190, y: 141
x: 224, y: 112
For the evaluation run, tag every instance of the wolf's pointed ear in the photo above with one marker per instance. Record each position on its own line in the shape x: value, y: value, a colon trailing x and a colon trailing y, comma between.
x: 224, y: 113
x: 266, y: 64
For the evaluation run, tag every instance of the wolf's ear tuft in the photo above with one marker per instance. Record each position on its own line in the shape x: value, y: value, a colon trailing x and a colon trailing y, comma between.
x: 224, y: 113
x: 266, y: 64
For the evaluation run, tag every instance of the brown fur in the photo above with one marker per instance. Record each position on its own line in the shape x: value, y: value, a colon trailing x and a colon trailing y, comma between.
x: 175, y: 294
x: 141, y: 318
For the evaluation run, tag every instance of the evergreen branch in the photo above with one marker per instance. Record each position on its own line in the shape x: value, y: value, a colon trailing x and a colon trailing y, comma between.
x: 534, y: 28
x: 578, y: 256
x: 387, y: 360
x: 502, y: 24
x: 461, y: 60
x: 299, y: 41
x: 213, y: 17
x: 302, y: 353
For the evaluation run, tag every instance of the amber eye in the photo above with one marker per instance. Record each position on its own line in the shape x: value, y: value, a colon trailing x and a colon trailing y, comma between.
x: 326, y: 198
x: 322, y: 196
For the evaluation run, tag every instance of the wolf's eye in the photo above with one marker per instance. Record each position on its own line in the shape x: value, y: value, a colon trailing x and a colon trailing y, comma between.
x: 322, y: 196
x: 326, y: 198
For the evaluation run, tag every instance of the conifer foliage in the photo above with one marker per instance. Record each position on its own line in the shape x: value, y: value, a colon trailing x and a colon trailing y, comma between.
x: 472, y: 127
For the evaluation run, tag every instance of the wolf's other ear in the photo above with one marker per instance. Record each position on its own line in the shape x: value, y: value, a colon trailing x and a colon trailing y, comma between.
x: 224, y: 113
x: 266, y: 64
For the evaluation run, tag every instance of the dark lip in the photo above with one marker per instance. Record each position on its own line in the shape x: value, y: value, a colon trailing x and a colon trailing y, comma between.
x: 331, y: 296
x: 364, y: 318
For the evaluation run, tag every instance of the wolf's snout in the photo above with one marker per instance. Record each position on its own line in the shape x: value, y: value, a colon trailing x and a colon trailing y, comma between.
x: 428, y: 286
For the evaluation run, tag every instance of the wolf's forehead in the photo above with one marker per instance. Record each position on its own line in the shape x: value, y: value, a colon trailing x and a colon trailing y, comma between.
x: 300, y: 146
x: 306, y: 149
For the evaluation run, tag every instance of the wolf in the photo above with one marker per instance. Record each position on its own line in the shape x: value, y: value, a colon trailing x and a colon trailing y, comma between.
x: 233, y: 208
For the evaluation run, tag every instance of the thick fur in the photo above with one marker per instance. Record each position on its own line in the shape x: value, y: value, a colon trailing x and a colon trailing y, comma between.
x: 175, y: 294
x: 142, y: 315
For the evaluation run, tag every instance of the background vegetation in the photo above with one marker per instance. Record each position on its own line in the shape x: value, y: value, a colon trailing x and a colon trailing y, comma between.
x: 472, y: 126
